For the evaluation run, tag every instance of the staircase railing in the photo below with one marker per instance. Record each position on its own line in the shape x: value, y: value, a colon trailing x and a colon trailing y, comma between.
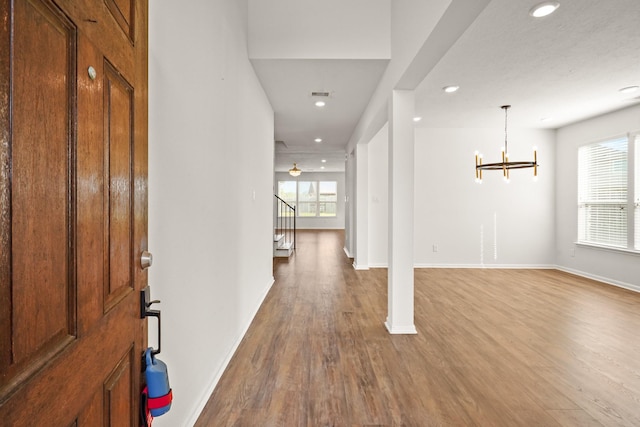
x: 285, y: 221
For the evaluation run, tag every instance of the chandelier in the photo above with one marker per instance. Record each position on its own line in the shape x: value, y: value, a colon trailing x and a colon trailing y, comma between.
x: 294, y: 171
x: 505, y: 165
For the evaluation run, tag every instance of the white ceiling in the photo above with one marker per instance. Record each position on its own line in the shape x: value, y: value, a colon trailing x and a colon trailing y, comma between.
x: 567, y: 66
x: 288, y: 84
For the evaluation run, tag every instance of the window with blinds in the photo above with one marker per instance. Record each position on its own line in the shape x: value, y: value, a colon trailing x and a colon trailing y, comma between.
x: 603, y: 202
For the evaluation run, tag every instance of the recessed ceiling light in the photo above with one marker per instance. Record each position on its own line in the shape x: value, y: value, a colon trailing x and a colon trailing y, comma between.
x: 318, y: 140
x: 417, y: 119
x: 629, y: 89
x: 323, y: 161
x: 450, y: 89
x: 544, y: 9
x: 321, y: 167
x: 545, y: 119
x: 320, y: 103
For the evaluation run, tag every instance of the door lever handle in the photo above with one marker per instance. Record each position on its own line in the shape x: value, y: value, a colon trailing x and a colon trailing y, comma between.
x: 156, y: 314
x: 145, y: 301
x: 145, y: 312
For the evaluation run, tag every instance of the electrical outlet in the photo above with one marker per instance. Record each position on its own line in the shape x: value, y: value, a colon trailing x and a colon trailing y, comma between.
x: 435, y: 248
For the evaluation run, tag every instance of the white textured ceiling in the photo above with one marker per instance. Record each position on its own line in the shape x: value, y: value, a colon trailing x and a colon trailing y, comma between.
x: 567, y: 66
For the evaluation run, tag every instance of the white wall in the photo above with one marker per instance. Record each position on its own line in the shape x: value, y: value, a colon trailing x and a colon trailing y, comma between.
x: 488, y: 224
x: 336, y: 222
x: 492, y: 224
x: 361, y: 211
x: 378, y: 198
x: 615, y: 267
x: 210, y: 192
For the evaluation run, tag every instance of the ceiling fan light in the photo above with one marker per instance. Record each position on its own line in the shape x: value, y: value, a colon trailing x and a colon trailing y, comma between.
x: 294, y: 171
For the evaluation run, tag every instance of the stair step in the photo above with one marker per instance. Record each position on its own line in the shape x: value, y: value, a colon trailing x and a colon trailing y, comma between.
x: 283, y: 252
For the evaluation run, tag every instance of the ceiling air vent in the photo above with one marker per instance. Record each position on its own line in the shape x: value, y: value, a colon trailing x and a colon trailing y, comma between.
x: 320, y: 94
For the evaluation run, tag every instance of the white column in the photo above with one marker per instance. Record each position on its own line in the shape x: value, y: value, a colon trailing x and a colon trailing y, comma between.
x: 361, y: 261
x: 401, y: 177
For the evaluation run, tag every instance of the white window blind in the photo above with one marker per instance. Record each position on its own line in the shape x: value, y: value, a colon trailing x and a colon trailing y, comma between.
x: 602, y: 193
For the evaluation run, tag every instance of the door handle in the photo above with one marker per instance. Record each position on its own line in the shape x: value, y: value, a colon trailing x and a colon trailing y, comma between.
x: 145, y: 311
x: 156, y: 314
x: 146, y: 260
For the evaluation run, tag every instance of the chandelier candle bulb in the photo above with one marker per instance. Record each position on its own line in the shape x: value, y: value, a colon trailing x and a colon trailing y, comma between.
x: 478, y: 171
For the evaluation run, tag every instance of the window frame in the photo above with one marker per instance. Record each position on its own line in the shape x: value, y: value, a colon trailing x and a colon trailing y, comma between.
x: 632, y: 203
x: 316, y: 202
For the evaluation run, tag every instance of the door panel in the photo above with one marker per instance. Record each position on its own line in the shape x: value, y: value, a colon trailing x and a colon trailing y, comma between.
x: 41, y: 286
x: 122, y: 11
x: 118, y: 395
x: 90, y: 189
x: 73, y: 212
x: 118, y: 111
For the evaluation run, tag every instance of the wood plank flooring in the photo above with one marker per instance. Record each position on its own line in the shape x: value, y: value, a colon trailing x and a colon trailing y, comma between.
x: 494, y: 348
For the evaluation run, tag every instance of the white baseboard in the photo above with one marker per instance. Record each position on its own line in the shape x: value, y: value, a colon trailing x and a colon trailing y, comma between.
x: 360, y: 266
x: 605, y: 280
x: 400, y: 330
x: 346, y: 251
x: 501, y: 266
x: 375, y: 265
x: 214, y: 382
x: 602, y: 279
x: 320, y: 227
x: 488, y: 266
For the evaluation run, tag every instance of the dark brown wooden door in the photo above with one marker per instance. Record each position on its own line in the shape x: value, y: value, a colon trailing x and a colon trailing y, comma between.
x: 73, y: 210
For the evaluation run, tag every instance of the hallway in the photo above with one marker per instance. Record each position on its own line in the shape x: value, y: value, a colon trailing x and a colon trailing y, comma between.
x: 494, y: 348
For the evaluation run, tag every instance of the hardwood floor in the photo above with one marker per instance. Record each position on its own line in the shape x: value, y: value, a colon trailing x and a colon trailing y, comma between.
x: 494, y: 348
